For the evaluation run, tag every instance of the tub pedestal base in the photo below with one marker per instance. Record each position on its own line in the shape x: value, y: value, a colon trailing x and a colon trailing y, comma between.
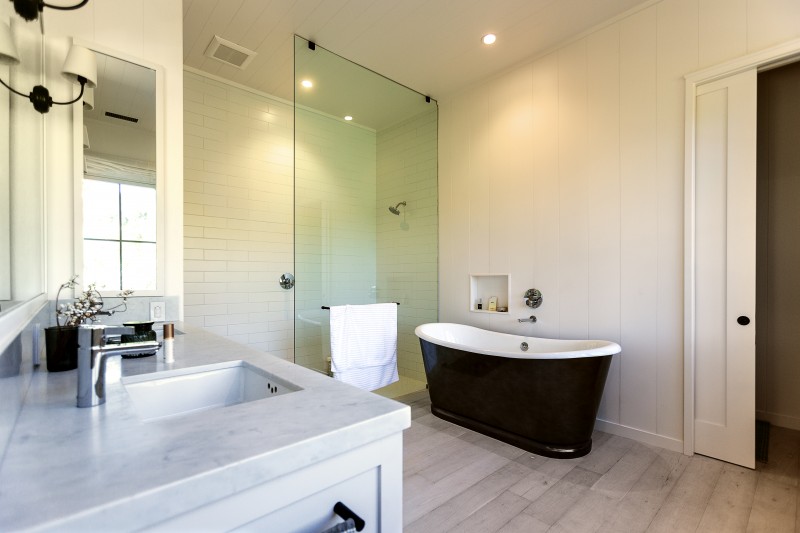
x: 548, y: 450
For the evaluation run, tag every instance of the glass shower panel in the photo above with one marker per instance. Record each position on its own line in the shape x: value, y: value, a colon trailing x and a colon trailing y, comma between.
x: 363, y: 144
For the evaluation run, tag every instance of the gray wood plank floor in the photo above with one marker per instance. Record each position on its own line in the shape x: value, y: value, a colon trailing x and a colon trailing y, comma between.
x: 459, y: 480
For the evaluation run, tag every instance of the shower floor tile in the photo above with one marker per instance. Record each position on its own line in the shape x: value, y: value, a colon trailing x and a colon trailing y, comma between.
x: 401, y: 388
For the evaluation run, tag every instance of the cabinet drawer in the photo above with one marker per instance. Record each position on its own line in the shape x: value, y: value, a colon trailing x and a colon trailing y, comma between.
x: 315, y: 512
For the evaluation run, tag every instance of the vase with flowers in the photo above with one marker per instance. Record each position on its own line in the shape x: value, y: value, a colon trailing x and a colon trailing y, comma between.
x: 61, y: 340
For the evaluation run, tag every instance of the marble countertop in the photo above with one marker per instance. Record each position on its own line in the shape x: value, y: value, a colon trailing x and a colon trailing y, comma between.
x: 101, y: 468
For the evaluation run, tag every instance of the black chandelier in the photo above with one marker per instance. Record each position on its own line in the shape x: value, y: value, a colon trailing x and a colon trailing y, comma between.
x: 30, y: 9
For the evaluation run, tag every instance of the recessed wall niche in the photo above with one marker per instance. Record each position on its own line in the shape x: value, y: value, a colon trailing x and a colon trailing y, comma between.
x: 482, y: 287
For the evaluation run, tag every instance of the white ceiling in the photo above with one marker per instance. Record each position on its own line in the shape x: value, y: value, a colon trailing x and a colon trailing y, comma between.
x: 432, y: 46
x: 125, y: 89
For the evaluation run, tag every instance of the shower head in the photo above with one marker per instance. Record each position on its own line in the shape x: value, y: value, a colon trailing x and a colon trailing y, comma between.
x: 394, y: 210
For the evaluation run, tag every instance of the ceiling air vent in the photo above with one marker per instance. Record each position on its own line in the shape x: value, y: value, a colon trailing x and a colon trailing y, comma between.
x: 230, y: 53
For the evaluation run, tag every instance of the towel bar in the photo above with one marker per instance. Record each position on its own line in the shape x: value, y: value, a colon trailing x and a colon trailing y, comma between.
x: 328, y: 308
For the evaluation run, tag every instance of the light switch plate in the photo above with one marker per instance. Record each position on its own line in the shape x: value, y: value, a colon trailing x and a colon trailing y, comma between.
x: 158, y: 311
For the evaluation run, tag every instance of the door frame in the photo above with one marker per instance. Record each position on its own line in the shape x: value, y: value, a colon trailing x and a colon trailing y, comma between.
x: 770, y: 58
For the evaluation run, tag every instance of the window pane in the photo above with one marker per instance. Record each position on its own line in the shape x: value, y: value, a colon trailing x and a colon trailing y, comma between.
x: 138, y: 213
x: 139, y: 266
x: 101, y: 265
x: 100, y: 210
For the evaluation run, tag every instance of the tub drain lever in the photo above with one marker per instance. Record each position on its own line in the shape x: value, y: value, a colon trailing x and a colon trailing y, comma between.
x: 529, y: 319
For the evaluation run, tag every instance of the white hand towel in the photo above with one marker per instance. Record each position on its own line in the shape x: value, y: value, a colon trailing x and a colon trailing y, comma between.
x: 364, y: 344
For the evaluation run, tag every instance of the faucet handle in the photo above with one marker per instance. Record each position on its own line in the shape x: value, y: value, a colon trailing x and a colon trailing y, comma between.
x: 533, y: 298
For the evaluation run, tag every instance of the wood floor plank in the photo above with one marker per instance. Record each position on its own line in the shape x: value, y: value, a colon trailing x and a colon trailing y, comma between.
x: 420, y: 502
x: 437, y: 423
x: 684, y: 507
x: 774, y: 507
x: 606, y: 453
x: 546, y: 472
x: 494, y: 515
x: 459, y: 480
x: 427, y: 449
x: 532, y: 486
x: 587, y: 515
x: 469, y: 502
x: 524, y: 523
x: 597, y: 505
x: 451, y: 457
x: 636, y: 510
x: 492, y: 445
x: 626, y: 472
x: 557, y: 501
x: 729, y: 506
x: 783, y: 465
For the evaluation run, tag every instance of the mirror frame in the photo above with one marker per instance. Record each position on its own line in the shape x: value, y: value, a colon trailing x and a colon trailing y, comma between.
x: 77, y: 134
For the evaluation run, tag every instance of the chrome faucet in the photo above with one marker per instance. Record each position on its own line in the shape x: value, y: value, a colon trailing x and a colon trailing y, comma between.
x: 92, y: 354
x: 529, y: 319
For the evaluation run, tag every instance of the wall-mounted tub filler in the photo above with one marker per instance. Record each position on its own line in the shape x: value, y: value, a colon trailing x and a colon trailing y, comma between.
x: 396, y: 209
x: 529, y: 319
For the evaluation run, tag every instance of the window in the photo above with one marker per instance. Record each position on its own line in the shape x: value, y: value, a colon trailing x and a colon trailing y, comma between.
x: 119, y: 229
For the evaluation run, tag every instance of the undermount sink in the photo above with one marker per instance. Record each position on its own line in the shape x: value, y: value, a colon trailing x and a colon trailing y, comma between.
x: 191, y: 390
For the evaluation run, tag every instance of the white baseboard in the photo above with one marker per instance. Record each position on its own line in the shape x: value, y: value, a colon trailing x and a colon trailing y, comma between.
x: 672, y: 444
x: 784, y: 421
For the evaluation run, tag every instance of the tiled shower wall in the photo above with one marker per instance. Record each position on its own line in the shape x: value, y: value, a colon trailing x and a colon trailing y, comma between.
x: 408, y: 243
x: 240, y: 224
x: 238, y: 215
x: 335, y: 226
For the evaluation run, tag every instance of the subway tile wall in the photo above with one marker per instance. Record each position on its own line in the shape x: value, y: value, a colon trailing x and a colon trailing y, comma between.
x: 334, y: 225
x: 240, y: 222
x: 238, y: 214
x: 408, y: 243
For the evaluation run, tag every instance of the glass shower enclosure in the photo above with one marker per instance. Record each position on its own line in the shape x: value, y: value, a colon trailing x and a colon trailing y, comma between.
x: 366, y: 204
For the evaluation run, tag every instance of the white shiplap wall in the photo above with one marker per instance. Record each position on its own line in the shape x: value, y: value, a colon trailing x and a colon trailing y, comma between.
x: 238, y: 213
x: 567, y: 174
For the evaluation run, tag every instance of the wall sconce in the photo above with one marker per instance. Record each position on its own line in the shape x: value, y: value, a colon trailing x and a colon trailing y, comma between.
x: 80, y: 67
x: 30, y: 9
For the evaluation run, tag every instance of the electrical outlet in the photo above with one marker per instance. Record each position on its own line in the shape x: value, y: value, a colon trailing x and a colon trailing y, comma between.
x: 158, y: 311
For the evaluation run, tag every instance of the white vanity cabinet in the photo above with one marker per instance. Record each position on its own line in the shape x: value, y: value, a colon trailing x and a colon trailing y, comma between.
x: 367, y: 479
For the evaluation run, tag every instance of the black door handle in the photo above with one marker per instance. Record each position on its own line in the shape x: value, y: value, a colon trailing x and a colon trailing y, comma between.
x: 743, y: 320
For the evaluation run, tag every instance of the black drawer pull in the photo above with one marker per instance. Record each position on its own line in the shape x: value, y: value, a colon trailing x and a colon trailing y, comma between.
x: 743, y: 320
x: 345, y: 512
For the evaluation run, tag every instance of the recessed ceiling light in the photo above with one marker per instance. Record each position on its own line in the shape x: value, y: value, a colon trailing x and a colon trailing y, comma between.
x: 489, y: 38
x: 348, y: 117
x: 307, y: 84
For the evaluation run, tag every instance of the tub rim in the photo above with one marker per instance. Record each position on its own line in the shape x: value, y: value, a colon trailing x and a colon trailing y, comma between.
x: 605, y: 347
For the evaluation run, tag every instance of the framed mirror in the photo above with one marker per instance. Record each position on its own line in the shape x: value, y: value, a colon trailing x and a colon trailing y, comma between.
x: 21, y: 185
x: 119, y: 213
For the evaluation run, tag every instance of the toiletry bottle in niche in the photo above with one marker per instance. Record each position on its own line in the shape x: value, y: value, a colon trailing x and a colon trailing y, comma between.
x: 493, y: 303
x: 169, y: 339
x: 480, y: 303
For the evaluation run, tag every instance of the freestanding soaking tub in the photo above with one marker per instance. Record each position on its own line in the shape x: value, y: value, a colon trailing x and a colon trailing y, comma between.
x: 540, y: 395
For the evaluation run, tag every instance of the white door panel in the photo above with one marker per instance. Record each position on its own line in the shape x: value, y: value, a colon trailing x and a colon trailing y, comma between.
x: 725, y: 177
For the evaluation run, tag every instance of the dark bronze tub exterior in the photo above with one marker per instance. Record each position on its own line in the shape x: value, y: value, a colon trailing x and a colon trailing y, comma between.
x: 544, y: 406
